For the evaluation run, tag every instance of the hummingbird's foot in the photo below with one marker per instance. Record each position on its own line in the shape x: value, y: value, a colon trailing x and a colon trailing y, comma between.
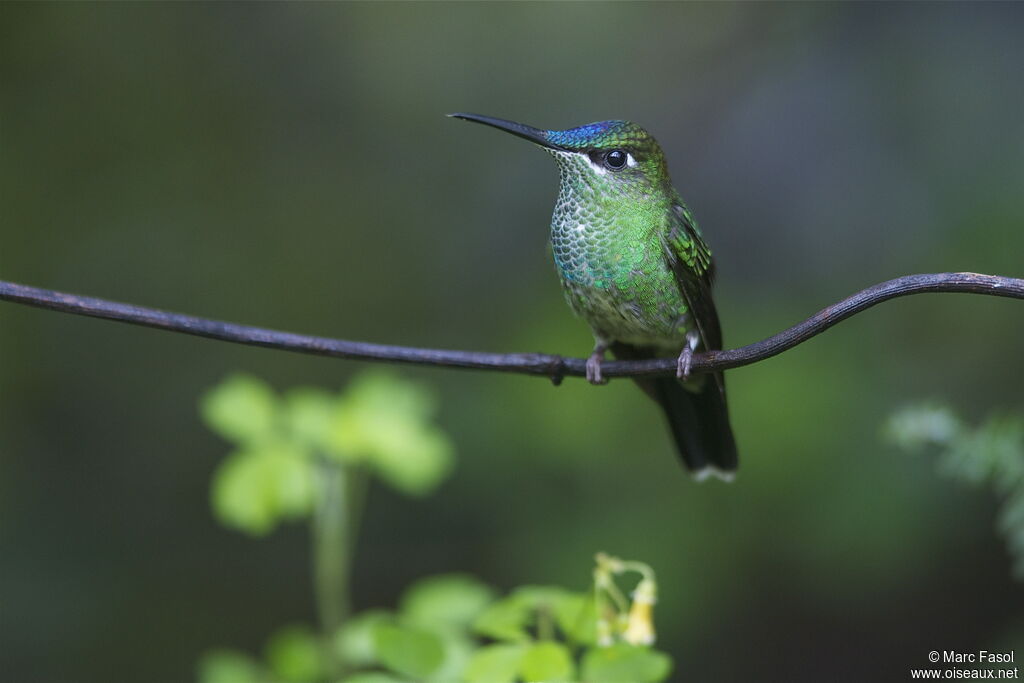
x: 594, y: 366
x: 683, y: 363
x: 686, y: 356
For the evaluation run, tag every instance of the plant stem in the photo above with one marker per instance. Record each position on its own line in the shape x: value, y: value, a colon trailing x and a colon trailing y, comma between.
x: 545, y: 623
x: 334, y: 527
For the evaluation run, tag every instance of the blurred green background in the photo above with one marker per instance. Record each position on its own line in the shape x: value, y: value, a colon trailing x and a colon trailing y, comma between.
x: 290, y: 166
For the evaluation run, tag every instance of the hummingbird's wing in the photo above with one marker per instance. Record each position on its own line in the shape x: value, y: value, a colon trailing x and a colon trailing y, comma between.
x: 690, y: 260
x: 696, y: 410
x: 697, y: 414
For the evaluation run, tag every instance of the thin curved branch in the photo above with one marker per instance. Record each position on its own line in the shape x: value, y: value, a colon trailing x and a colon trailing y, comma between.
x: 553, y: 366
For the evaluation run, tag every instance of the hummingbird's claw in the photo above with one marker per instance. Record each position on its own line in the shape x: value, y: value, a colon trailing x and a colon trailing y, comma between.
x: 683, y: 364
x: 594, y: 368
x: 686, y: 355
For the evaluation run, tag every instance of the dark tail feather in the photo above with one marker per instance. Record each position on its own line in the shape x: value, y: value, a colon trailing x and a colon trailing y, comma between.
x: 699, y: 421
x: 698, y: 418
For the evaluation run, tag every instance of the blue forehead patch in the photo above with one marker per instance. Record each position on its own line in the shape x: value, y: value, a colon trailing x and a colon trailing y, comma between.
x: 602, y: 132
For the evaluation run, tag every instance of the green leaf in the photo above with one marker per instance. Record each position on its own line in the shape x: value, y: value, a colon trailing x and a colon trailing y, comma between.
x: 510, y: 619
x: 494, y: 664
x: 445, y: 605
x: 294, y: 654
x: 242, y: 409
x: 506, y: 620
x: 445, y: 600
x: 409, y: 651
x: 354, y: 641
x: 254, y: 490
x: 569, y: 609
x: 383, y: 421
x: 546, y: 661
x: 415, y: 461
x: 914, y: 427
x: 994, y: 451
x: 576, y: 614
x: 623, y: 663
x: 458, y: 648
x: 539, y: 597
x: 309, y: 416
x: 374, y: 404
x: 373, y: 677
x: 383, y: 391
x: 228, y: 666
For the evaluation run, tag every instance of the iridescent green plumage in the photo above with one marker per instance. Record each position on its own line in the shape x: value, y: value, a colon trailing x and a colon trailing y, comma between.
x: 635, y: 266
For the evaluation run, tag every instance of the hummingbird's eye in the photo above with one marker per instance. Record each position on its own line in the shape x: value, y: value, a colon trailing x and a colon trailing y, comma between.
x: 615, y: 159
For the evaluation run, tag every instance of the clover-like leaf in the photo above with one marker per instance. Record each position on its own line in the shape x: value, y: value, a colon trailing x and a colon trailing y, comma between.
x: 494, y: 664
x: 373, y: 677
x: 308, y: 416
x: 412, y: 652
x: 229, y: 666
x: 506, y: 619
x: 255, y: 489
x: 415, y: 461
x: 547, y: 598
x: 510, y: 618
x: 576, y: 614
x: 384, y: 389
x: 354, y: 641
x: 458, y: 647
x: 384, y: 421
x: 294, y: 655
x: 546, y: 661
x: 242, y: 409
x: 445, y: 600
x: 622, y: 663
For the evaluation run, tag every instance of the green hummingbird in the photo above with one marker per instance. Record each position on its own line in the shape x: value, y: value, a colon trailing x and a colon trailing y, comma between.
x: 635, y: 267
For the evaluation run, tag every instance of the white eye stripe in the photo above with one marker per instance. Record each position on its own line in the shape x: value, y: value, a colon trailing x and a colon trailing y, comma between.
x: 602, y: 169
x: 598, y: 168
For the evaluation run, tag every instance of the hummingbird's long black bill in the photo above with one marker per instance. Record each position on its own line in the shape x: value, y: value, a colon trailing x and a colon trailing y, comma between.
x: 535, y: 135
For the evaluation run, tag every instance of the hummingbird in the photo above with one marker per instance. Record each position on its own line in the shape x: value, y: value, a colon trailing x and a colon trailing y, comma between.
x: 634, y: 265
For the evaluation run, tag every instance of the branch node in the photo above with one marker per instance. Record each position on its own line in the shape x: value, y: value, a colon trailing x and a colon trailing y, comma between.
x: 556, y: 370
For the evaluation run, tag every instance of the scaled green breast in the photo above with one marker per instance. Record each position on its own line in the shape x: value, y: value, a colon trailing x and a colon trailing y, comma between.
x: 609, y: 254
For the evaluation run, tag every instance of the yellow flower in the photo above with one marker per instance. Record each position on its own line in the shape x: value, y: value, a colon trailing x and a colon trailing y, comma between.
x: 640, y: 625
